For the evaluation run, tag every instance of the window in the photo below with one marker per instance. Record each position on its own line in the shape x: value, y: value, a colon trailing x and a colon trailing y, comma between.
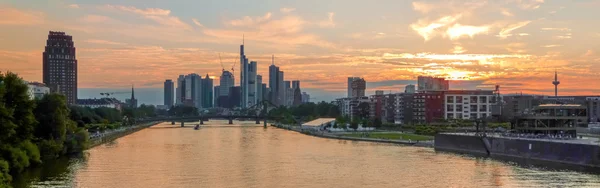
x: 459, y: 99
x: 482, y: 99
x: 473, y: 116
x: 483, y: 108
x: 450, y: 116
x: 459, y: 107
x: 473, y: 99
x: 473, y: 108
x: 483, y: 115
x: 450, y: 99
x: 450, y: 108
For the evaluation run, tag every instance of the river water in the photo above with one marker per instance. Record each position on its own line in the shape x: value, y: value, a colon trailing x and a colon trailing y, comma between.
x: 247, y: 155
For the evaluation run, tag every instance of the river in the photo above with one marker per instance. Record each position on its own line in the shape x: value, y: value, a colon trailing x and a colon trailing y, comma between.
x: 247, y: 155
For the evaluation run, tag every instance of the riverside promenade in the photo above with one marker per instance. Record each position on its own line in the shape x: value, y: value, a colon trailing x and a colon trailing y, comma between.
x: 108, y: 136
x: 339, y: 136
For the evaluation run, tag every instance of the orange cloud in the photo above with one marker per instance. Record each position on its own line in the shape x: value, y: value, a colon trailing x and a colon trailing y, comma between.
x: 506, y: 32
x: 158, y: 15
x: 12, y: 16
x: 457, y: 31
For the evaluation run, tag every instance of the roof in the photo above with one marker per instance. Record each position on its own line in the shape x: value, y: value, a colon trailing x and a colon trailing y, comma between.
x: 564, y: 106
x: 318, y: 122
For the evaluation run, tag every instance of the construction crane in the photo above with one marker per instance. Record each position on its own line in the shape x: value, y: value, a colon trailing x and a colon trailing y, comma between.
x: 221, y: 60
x: 114, y: 93
x: 233, y: 68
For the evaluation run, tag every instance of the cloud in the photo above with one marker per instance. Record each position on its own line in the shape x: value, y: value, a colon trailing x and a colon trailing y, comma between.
x: 551, y: 46
x: 506, y: 13
x: 73, y: 6
x: 249, y: 21
x: 457, y: 31
x: 458, y: 49
x: 197, y: 22
x: 428, y: 29
x: 506, y: 32
x: 160, y: 16
x: 422, y: 7
x: 287, y: 10
x: 94, y: 18
x: 528, y: 4
x: 145, y: 12
x: 555, y: 29
x: 98, y: 41
x: 329, y: 23
x: 12, y: 16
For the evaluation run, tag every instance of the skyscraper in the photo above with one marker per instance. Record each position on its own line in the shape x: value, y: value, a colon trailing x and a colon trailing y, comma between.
x: 251, y: 100
x: 273, y: 82
x: 168, y: 93
x: 280, y: 89
x: 265, y: 92
x: 60, y: 65
x: 295, y: 84
x: 243, y: 77
x: 429, y: 83
x: 226, y: 82
x: 259, y: 91
x: 207, y: 92
x: 350, y: 80
x: 179, y: 92
x: 217, y: 93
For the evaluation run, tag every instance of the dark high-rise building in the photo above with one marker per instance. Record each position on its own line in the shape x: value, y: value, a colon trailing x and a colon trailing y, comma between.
x: 207, y: 92
x: 295, y: 84
x: 60, y: 65
x: 235, y: 97
x: 274, y: 83
x: 169, y: 93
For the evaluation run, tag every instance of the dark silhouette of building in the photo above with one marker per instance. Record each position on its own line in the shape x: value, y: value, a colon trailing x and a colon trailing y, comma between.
x: 358, y: 87
x: 60, y: 65
x: 169, y: 93
x: 132, y: 102
x: 235, y: 97
x: 207, y: 92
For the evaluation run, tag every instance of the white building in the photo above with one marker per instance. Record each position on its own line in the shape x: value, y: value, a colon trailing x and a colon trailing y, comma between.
x: 318, y: 124
x: 468, y: 104
x: 349, y: 106
x: 97, y: 103
x: 37, y: 90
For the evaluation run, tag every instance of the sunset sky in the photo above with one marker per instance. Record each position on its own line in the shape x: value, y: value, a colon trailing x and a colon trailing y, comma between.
x: 517, y: 44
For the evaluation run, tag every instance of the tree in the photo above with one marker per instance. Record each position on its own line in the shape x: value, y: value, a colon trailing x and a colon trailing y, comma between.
x: 354, y: 124
x: 377, y: 122
x: 52, y: 114
x: 17, y: 124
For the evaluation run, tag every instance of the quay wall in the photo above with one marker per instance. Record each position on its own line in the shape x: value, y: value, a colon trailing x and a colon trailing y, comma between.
x: 118, y: 134
x: 578, y: 156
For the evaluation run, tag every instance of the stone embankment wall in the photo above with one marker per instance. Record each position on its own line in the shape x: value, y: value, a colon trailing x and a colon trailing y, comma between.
x: 118, y: 134
x: 580, y: 156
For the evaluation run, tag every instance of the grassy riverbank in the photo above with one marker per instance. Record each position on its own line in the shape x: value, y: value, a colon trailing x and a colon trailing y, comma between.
x: 391, y: 136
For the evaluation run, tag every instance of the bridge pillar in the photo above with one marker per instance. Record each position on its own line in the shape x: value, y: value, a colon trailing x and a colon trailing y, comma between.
x: 172, y: 122
x: 230, y: 121
x: 201, y: 122
x: 182, y: 124
x: 257, y: 121
x: 265, y: 123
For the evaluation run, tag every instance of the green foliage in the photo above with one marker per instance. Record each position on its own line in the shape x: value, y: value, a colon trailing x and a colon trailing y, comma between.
x: 181, y: 111
x: 32, y: 151
x: 377, y: 123
x: 78, y: 141
x: 30, y: 129
x: 5, y: 177
x: 354, y: 124
x: 505, y: 125
x: 429, y: 130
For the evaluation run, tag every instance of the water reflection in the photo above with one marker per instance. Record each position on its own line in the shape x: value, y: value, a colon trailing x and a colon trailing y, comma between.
x: 247, y: 155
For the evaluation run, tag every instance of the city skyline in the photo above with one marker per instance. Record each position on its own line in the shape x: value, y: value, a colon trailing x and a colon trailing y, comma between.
x: 515, y: 44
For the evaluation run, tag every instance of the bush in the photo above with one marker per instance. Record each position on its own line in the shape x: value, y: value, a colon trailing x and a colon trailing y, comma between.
x: 50, y: 148
x: 5, y: 177
x: 32, y: 151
